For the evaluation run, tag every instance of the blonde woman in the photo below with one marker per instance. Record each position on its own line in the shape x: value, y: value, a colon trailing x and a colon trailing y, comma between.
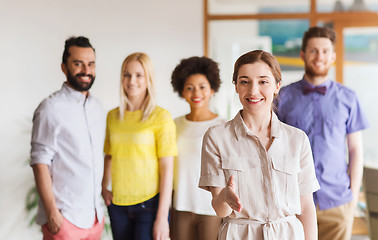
x: 140, y: 145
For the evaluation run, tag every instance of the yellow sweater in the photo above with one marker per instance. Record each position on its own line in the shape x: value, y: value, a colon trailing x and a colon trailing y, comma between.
x: 135, y: 148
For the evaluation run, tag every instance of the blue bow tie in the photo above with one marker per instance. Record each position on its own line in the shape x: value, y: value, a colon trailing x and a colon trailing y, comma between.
x: 308, y: 89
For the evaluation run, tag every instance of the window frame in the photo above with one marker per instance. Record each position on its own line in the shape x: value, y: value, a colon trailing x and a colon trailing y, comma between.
x: 340, y: 20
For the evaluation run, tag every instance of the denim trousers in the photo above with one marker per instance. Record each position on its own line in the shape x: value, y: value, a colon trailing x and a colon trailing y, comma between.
x: 133, y: 222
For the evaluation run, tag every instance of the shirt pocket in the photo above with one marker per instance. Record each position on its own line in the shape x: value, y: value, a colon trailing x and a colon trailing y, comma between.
x: 298, y: 122
x: 234, y: 166
x: 332, y: 126
x: 246, y: 173
x: 285, y: 184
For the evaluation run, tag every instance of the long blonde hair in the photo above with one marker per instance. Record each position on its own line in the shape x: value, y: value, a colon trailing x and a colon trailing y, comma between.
x: 149, y: 102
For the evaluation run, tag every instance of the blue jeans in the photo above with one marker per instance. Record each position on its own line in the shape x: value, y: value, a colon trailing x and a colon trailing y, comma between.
x: 133, y: 222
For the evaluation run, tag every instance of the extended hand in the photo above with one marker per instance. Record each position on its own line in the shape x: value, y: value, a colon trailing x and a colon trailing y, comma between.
x: 230, y: 197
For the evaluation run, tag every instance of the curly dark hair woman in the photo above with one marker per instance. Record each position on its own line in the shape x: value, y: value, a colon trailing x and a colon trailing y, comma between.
x: 195, y: 79
x: 195, y: 65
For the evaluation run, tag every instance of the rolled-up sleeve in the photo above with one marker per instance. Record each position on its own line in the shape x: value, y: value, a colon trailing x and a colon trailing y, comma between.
x: 212, y: 174
x: 43, y: 140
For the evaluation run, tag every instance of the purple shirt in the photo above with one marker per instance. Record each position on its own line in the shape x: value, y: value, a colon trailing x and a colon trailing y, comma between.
x: 326, y: 119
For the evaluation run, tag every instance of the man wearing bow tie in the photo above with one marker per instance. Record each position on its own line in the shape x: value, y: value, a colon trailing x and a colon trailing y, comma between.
x: 331, y: 115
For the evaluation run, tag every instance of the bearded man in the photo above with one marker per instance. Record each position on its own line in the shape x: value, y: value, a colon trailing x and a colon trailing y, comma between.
x: 331, y: 115
x: 67, y: 151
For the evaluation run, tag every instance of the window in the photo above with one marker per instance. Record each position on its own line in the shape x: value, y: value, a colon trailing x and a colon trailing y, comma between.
x: 233, y: 27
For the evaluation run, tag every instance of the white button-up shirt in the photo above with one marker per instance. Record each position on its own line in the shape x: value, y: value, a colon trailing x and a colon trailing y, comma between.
x: 68, y: 136
x: 269, y: 183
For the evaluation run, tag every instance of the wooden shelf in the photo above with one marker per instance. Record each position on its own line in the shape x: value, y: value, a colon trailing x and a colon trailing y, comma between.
x: 261, y: 16
x: 346, y: 17
x: 350, y: 18
x: 340, y: 21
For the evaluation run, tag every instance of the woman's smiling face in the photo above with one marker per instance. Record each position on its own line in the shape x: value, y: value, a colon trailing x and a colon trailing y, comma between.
x: 256, y: 87
x: 197, y: 91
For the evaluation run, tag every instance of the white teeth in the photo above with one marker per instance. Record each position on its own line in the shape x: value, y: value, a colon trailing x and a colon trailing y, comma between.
x: 254, y: 100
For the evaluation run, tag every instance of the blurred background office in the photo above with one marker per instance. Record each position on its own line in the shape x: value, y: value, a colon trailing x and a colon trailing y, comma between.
x: 32, y: 35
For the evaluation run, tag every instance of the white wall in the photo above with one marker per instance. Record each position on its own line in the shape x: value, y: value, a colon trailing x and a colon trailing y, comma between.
x: 32, y: 35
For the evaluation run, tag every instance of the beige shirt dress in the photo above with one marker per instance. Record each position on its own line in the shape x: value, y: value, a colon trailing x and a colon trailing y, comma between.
x: 269, y: 183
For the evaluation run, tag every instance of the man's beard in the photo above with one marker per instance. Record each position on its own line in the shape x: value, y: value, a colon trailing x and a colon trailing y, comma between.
x: 80, y: 86
x: 311, y: 72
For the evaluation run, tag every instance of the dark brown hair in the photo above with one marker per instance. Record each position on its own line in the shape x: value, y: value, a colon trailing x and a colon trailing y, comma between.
x: 258, y: 56
x: 318, y: 32
x: 75, y: 41
x: 195, y: 65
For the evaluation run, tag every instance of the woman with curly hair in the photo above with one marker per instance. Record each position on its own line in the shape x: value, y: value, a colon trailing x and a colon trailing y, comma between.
x: 195, y: 79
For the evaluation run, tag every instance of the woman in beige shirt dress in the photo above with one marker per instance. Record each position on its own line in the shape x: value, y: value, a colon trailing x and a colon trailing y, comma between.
x: 259, y: 170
